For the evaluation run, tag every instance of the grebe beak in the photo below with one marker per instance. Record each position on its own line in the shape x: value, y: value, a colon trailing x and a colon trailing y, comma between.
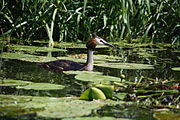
x: 108, y: 44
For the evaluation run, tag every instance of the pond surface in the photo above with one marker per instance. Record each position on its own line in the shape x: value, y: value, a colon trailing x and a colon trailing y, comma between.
x: 161, y: 62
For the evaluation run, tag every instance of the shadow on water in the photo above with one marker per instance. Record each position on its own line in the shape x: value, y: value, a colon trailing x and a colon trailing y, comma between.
x: 163, y: 61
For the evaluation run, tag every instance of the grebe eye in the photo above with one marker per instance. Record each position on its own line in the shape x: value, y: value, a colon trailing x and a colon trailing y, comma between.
x: 102, y: 41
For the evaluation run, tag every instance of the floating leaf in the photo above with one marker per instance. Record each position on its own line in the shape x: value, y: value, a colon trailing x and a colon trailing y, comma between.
x: 41, y: 86
x: 33, y: 49
x: 75, y: 45
x: 12, y: 83
x: 120, y: 95
x: 27, y: 57
x: 106, y: 89
x: 97, y: 58
x: 96, y: 118
x: 166, y: 116
x: 88, y: 76
x: 126, y: 65
x: 81, y: 72
x: 50, y: 107
x: 92, y: 93
x: 156, y: 91
x: 106, y: 58
x: 176, y: 68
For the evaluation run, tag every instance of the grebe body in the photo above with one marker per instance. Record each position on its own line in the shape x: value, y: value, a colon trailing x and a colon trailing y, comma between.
x: 66, y: 65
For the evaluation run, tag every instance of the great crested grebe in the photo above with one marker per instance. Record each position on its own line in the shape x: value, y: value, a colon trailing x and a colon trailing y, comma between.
x: 65, y: 65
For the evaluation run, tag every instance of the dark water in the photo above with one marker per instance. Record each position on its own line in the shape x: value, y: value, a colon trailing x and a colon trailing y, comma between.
x: 163, y: 61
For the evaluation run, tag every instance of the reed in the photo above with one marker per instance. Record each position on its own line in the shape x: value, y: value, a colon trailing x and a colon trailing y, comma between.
x: 75, y: 20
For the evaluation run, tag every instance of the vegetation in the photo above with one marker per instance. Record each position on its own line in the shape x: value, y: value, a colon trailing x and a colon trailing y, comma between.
x: 71, y: 20
x: 137, y: 79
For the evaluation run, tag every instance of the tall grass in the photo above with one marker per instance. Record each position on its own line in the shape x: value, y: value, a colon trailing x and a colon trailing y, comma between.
x: 72, y: 20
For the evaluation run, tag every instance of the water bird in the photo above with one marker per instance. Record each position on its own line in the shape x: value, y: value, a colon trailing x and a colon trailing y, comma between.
x: 66, y: 65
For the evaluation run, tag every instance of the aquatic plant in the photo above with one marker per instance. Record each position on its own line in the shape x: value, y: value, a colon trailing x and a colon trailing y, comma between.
x: 115, y: 19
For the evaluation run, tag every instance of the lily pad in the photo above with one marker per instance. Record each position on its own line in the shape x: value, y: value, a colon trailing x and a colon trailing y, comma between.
x: 33, y: 49
x: 13, y: 83
x: 92, y: 93
x: 19, y: 84
x: 97, y: 58
x: 75, y: 45
x: 27, y: 57
x: 88, y: 76
x: 156, y: 91
x: 41, y: 86
x: 96, y: 118
x: 166, y: 116
x: 106, y: 89
x: 126, y: 65
x: 50, y: 107
x: 81, y: 72
x: 176, y: 68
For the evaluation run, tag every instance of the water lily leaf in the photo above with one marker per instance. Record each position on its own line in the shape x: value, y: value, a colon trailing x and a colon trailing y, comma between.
x: 176, y: 68
x: 27, y: 57
x: 156, y: 91
x: 81, y: 72
x: 96, y: 118
x: 166, y: 116
x: 126, y: 65
x: 120, y: 95
x: 50, y: 107
x: 106, y: 58
x: 88, y: 76
x: 41, y: 86
x: 33, y: 49
x: 97, y: 58
x: 92, y: 93
x: 12, y: 83
x: 75, y: 45
x: 106, y: 89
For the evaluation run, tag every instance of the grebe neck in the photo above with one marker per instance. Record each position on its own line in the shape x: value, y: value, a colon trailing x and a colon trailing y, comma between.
x: 89, y: 62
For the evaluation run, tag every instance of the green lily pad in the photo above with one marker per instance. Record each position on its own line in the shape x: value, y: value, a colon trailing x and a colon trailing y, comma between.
x: 92, y: 93
x: 81, y: 72
x: 75, y: 45
x: 27, y: 57
x: 156, y: 91
x: 35, y: 58
x: 88, y: 76
x: 41, y: 86
x: 19, y: 84
x: 97, y: 58
x: 33, y: 49
x: 13, y: 83
x: 70, y: 45
x: 176, y: 68
x: 166, y: 116
x: 106, y: 89
x: 50, y: 107
x: 126, y: 65
x: 96, y: 118
x: 106, y: 58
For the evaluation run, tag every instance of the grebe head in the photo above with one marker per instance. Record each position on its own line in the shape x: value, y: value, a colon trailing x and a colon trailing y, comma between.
x: 95, y: 40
